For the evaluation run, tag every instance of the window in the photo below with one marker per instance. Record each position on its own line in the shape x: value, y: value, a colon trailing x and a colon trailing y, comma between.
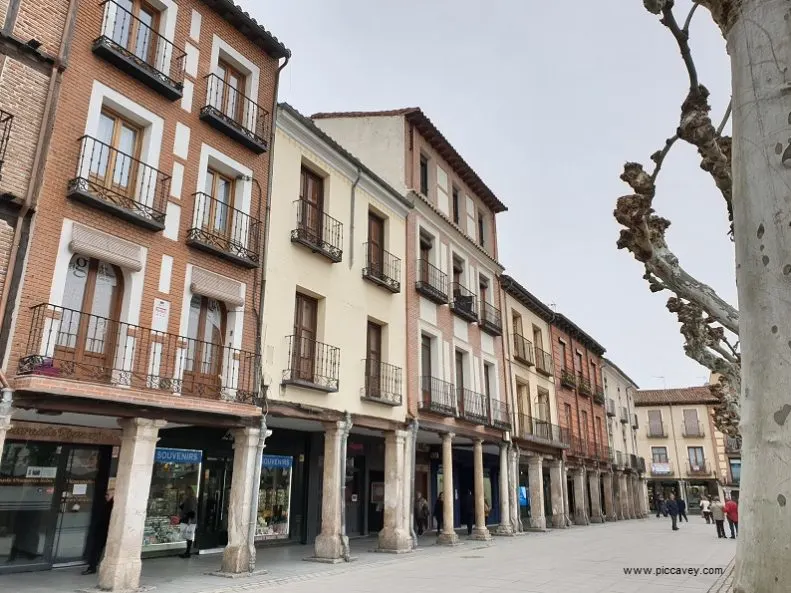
x: 424, y: 175
x: 228, y: 96
x: 593, y: 377
x: 523, y: 398
x: 578, y: 362
x: 481, y: 229
x: 114, y: 158
x: 655, y: 427
x: 562, y: 354
x: 304, y: 347
x: 455, y: 203
x: 691, y: 425
x: 483, y: 287
x: 458, y: 269
x: 487, y: 381
x: 736, y: 470
x: 459, y: 369
x: 221, y: 189
x: 205, y: 333
x: 426, y: 243
x: 135, y: 28
x: 91, y: 300
x: 376, y: 243
x: 567, y: 414
x: 585, y: 427
x: 696, y: 460
x: 659, y: 454
x: 543, y: 404
x: 373, y: 359
x: 425, y: 355
x: 311, y: 195
x: 599, y: 431
x: 516, y: 323
x: 538, y: 340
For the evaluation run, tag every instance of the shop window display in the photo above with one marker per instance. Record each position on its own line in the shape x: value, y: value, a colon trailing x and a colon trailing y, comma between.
x: 175, y: 470
x: 274, y: 497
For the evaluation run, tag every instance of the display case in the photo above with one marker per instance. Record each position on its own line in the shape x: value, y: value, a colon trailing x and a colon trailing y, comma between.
x: 274, y: 498
x: 175, y: 470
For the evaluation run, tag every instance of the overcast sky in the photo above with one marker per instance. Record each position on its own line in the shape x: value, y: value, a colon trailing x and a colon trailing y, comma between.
x: 546, y: 100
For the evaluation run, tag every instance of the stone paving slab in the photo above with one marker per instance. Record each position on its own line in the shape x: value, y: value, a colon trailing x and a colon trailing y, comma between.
x: 587, y: 559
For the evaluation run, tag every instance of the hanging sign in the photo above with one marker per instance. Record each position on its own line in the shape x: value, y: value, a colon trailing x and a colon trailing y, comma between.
x: 276, y: 461
x: 178, y: 456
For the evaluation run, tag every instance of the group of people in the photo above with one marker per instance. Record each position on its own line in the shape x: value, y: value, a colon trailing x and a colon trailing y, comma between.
x: 422, y: 514
x: 713, y: 510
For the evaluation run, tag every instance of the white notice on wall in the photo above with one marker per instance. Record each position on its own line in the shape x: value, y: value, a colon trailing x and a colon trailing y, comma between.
x: 161, y: 314
x: 80, y: 489
x: 46, y: 473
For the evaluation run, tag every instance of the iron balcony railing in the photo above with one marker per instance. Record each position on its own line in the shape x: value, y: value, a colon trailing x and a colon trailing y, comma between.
x: 134, y: 46
x: 117, y: 182
x: 501, y: 416
x: 472, y: 406
x: 543, y: 362
x: 633, y: 463
x: 431, y: 282
x: 535, y: 428
x: 225, y: 231
x: 6, y: 120
x: 71, y: 344
x: 579, y: 447
x: 464, y: 303
x: 491, y: 321
x: 611, y: 407
x: 383, y: 382
x: 523, y: 350
x: 662, y: 468
x: 605, y: 452
x: 318, y: 231
x: 656, y: 431
x: 733, y: 445
x: 692, y: 430
x: 437, y: 396
x: 598, y: 394
x: 698, y: 468
x: 232, y: 112
x: 567, y: 378
x: 382, y: 267
x: 312, y: 364
x: 583, y: 385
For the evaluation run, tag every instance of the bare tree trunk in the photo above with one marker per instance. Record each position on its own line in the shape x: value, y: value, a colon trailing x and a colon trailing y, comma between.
x: 758, y: 42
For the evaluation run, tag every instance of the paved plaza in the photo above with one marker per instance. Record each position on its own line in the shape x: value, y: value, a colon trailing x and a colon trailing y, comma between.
x: 578, y: 560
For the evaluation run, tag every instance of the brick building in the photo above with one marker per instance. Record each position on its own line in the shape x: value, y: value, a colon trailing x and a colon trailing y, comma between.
x: 134, y: 349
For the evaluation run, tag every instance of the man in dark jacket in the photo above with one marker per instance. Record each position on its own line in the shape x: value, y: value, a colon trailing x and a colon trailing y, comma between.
x: 468, y: 511
x: 100, y: 530
x: 439, y: 511
x: 682, y: 510
x: 672, y: 509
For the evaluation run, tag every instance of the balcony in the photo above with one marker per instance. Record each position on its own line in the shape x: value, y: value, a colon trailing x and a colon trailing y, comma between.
x: 501, y: 417
x: 318, y: 231
x: 619, y: 459
x: 531, y: 428
x: 473, y: 406
x: 641, y: 465
x: 133, y: 46
x: 581, y: 448
x: 583, y: 385
x: 698, y: 468
x: 733, y: 445
x: 225, y: 232
x: 382, y: 268
x: 491, y: 321
x: 662, y: 468
x: 236, y: 115
x: 611, y: 408
x: 598, y: 394
x: 543, y: 362
x: 692, y: 430
x: 117, y: 183
x: 437, y: 396
x: 69, y: 344
x: 464, y: 303
x: 312, y: 364
x: 656, y: 431
x: 6, y: 119
x: 523, y: 350
x: 633, y: 463
x: 431, y: 282
x: 624, y: 415
x: 567, y: 378
x: 383, y: 383
x: 635, y: 423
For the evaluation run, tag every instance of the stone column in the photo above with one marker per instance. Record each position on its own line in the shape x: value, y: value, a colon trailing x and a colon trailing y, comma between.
x: 629, y: 498
x: 238, y: 553
x: 394, y: 537
x: 616, y: 490
x: 556, y: 493
x: 331, y: 544
x: 623, y: 495
x: 513, y: 487
x: 535, y: 478
x: 580, y: 516
x: 5, y: 422
x: 448, y: 536
x: 609, y: 502
x: 565, y: 484
x: 480, y: 531
x: 120, y: 569
x: 594, y: 483
x: 505, y: 527
x: 644, y: 493
x: 636, y: 494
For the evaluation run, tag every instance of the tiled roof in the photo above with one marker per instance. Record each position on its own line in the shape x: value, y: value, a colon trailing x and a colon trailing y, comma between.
x: 430, y: 132
x: 576, y: 331
x: 527, y: 298
x: 664, y: 397
x: 249, y: 27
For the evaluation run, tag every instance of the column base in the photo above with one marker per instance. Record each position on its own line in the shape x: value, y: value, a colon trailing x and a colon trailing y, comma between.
x: 581, y: 520
x: 538, y: 523
x: 481, y: 534
x: 236, y: 560
x: 448, y: 539
x: 120, y: 576
x: 330, y: 548
x: 597, y: 519
x: 504, y: 530
x: 394, y: 541
x: 612, y: 518
x: 559, y: 522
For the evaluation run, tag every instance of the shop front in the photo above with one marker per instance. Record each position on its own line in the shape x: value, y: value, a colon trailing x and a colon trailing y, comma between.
x: 464, y: 484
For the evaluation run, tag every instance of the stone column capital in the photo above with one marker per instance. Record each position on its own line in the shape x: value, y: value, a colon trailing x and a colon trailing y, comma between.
x: 448, y: 436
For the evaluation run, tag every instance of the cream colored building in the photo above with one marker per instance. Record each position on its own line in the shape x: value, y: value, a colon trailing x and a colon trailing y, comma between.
x: 678, y: 440
x: 334, y: 337
x: 622, y: 422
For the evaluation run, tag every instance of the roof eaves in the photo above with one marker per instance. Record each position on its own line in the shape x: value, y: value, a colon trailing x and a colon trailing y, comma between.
x: 610, y: 363
x: 525, y: 297
x: 567, y: 324
x: 249, y: 27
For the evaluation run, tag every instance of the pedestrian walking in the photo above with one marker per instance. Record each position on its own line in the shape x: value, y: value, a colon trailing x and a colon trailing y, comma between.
x: 682, y: 510
x: 671, y: 507
x: 188, y: 519
x: 732, y: 513
x: 421, y: 513
x: 100, y: 531
x: 439, y: 511
x: 660, y: 505
x: 718, y: 514
x: 705, y: 509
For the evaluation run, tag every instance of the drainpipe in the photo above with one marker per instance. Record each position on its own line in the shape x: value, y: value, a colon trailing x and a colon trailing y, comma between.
x: 351, y: 218
x: 347, y: 421
x: 33, y: 185
x: 413, y: 428
x: 254, y: 502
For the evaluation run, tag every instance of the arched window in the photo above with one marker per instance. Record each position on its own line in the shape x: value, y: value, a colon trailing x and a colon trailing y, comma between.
x: 206, y: 333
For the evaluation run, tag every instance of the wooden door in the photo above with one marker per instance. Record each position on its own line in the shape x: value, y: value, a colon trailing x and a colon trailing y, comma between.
x: 373, y: 359
x: 113, y: 163
x: 231, y: 91
x: 304, y: 347
x: 311, y: 205
x: 218, y: 218
x: 425, y: 259
x: 425, y: 367
x: 376, y: 246
x: 205, y: 349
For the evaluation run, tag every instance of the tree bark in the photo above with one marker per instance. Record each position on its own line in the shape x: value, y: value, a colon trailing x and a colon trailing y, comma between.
x: 758, y: 34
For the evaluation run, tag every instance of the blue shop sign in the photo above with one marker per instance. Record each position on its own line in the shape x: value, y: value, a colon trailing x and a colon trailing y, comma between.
x: 522, y: 496
x: 276, y: 461
x: 178, y: 456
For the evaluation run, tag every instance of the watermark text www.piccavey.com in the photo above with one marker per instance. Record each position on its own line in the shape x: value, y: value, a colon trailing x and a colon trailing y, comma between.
x: 693, y: 571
